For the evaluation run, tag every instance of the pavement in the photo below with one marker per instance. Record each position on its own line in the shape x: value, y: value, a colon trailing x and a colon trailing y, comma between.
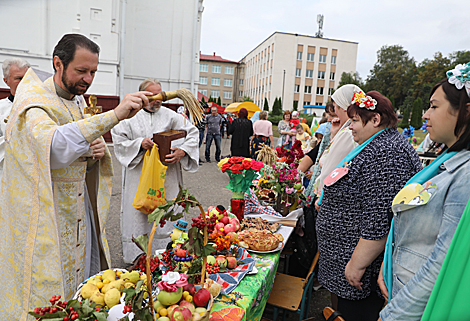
x: 207, y: 185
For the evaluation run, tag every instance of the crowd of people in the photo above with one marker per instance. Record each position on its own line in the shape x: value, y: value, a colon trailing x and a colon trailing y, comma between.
x: 383, y: 224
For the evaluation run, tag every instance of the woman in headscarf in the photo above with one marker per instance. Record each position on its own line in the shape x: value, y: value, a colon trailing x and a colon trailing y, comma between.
x: 255, y: 117
x: 241, y: 131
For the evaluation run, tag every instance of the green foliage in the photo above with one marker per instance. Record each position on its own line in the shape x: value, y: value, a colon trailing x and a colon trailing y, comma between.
x: 135, y: 297
x: 459, y: 57
x: 266, y: 104
x: 405, y: 121
x: 417, y: 113
x: 281, y: 107
x: 350, y: 78
x: 86, y: 311
x: 167, y: 210
x: 277, y: 110
x: 203, y: 100
x: 219, y: 102
x: 246, y: 98
x: 295, y: 105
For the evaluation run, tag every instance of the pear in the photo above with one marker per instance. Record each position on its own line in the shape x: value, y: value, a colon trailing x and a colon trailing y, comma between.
x: 118, y: 284
x: 93, y: 280
x: 109, y: 275
x: 133, y: 276
x: 112, y: 297
x: 98, y: 298
x: 128, y: 285
x: 88, y: 290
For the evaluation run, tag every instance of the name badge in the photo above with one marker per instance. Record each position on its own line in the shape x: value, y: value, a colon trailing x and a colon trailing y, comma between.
x: 335, y: 175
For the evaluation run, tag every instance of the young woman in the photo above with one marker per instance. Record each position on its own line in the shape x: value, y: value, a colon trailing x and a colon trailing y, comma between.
x: 423, y: 228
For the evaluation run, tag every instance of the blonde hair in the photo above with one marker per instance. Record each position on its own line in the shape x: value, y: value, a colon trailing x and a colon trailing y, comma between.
x: 147, y: 82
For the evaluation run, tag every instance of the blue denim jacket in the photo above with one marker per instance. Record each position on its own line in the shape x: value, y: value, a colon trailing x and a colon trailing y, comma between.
x: 422, y: 238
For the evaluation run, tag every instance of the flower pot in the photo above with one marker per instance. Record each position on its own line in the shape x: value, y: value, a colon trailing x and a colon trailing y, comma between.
x: 281, y: 204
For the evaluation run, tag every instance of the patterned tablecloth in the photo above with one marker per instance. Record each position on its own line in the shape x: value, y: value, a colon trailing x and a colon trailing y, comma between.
x: 248, y: 300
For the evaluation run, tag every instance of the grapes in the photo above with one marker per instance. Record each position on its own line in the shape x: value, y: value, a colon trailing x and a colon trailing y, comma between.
x: 210, y: 223
x: 142, y: 263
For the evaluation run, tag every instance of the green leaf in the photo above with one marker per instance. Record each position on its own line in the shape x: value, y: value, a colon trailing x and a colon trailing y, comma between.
x: 208, y: 249
x: 142, y: 242
x: 100, y: 316
x: 86, y: 308
x: 75, y: 304
x: 130, y: 293
x: 139, y: 285
x: 156, y: 215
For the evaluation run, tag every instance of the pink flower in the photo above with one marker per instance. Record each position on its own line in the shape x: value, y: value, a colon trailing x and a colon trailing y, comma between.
x: 182, y: 281
x: 256, y: 165
x: 164, y: 286
x: 289, y: 190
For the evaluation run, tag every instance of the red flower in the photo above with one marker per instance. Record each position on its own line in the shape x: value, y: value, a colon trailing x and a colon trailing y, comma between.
x: 236, y: 159
x: 256, y: 165
x: 236, y: 168
x: 247, y: 164
x: 225, y: 167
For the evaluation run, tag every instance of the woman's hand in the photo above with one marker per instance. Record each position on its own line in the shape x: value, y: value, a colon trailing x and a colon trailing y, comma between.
x: 353, y: 275
x: 317, y: 206
x: 381, y: 283
x: 335, y: 126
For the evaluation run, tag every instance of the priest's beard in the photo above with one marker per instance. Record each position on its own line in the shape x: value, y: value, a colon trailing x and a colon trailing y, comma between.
x: 74, y: 88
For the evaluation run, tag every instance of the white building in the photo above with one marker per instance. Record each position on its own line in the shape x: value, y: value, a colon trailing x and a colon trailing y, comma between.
x: 299, y: 69
x: 145, y: 38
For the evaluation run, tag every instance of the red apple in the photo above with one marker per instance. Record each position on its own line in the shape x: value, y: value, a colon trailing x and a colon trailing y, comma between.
x: 233, y: 236
x: 231, y: 262
x: 221, y: 261
x: 202, y: 297
x: 225, y: 220
x: 181, y: 314
x: 190, y: 288
x: 230, y: 228
x: 236, y: 222
x: 171, y: 308
x: 188, y: 305
x: 219, y: 227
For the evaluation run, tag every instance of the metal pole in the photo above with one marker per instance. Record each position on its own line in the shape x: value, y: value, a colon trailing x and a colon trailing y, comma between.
x: 283, y: 82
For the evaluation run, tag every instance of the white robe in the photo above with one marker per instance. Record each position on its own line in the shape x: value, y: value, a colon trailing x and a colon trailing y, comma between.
x: 5, y: 108
x: 127, y: 139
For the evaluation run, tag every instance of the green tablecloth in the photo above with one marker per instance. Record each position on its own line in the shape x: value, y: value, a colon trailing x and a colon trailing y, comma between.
x: 250, y: 296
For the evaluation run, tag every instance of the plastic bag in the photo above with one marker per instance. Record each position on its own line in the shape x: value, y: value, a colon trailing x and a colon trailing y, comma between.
x: 151, y: 191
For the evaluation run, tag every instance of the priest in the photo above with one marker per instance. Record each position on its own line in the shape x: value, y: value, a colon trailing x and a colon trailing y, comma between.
x: 132, y: 138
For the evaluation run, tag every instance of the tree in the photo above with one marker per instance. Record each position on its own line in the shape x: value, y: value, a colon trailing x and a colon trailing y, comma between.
x: 350, y: 78
x: 459, y: 57
x: 295, y: 105
x: 203, y: 101
x: 276, y: 107
x: 392, y: 74
x: 417, y: 113
x: 405, y: 121
x: 266, y: 104
x: 219, y: 102
x: 281, y: 108
x: 247, y: 98
x: 430, y: 72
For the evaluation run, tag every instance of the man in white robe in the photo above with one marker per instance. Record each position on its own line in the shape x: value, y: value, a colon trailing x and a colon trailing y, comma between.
x: 131, y: 140
x: 13, y: 71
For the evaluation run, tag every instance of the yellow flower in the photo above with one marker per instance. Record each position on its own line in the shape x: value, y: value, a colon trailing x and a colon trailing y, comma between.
x: 222, y: 162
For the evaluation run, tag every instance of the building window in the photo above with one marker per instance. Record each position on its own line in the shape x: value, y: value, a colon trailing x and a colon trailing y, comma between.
x: 296, y: 88
x: 215, y: 81
x: 299, y: 55
x: 333, y: 60
x: 330, y: 91
x: 319, y: 90
x: 228, y: 70
x: 310, y: 56
x: 309, y: 74
x: 298, y: 72
x: 240, y: 94
x: 332, y: 76
x: 321, y: 75
x: 203, y: 91
x: 308, y: 89
x: 215, y: 93
x: 202, y: 80
x: 227, y: 82
x: 241, y: 82
x: 203, y: 67
x: 323, y: 58
x: 216, y: 69
x: 306, y: 103
x: 227, y: 95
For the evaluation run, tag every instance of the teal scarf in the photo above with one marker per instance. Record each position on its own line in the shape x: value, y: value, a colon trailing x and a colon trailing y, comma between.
x: 349, y: 157
x: 421, y: 177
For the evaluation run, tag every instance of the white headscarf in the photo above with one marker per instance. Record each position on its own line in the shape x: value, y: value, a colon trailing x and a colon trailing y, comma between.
x: 344, y: 94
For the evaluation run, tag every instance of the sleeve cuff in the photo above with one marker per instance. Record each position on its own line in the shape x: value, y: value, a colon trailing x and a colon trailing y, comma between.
x: 96, y: 126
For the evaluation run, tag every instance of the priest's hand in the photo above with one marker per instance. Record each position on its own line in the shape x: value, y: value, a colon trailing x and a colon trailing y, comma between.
x: 147, y: 143
x: 175, y: 156
x: 98, y: 148
x: 131, y: 104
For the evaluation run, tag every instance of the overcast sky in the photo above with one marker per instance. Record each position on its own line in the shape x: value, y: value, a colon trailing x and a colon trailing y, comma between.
x: 233, y: 28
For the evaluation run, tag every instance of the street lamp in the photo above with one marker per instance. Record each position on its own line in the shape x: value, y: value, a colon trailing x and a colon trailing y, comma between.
x: 283, y: 82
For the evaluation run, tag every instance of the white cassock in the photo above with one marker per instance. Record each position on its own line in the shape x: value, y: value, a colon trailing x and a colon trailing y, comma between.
x: 5, y: 108
x: 127, y: 139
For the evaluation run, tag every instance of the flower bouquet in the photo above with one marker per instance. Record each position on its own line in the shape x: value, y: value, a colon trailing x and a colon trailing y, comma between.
x: 241, y: 171
x: 292, y: 155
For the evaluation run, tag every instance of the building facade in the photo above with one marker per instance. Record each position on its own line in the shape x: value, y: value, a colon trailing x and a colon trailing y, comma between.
x: 138, y: 39
x: 219, y: 77
x: 299, y: 69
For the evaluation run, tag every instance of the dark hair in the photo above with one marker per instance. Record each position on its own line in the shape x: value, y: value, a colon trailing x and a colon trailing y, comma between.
x: 329, y: 107
x: 384, y: 108
x: 458, y: 99
x: 242, y: 113
x: 286, y: 112
x: 299, y: 126
x: 66, y: 47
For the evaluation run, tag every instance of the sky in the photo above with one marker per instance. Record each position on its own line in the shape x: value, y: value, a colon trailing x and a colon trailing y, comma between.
x: 423, y: 27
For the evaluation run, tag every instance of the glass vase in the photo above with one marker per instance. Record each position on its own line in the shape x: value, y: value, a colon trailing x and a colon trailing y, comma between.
x: 237, y: 205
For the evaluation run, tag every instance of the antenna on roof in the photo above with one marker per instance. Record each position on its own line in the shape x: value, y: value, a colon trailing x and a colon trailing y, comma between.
x: 319, y: 33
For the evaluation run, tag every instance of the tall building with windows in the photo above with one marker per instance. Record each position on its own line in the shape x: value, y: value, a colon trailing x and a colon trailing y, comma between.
x: 218, y: 78
x: 299, y: 69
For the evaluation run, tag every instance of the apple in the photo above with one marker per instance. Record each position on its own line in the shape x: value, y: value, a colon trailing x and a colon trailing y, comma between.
x: 236, y: 222
x: 171, y: 308
x: 188, y: 305
x: 181, y: 314
x: 163, y: 319
x: 225, y: 220
x: 221, y: 261
x: 190, y: 288
x: 231, y: 262
x: 211, y: 260
x: 169, y: 298
x: 219, y: 227
x: 233, y: 236
x: 202, y: 297
x: 156, y: 305
x: 200, y: 310
x: 230, y: 228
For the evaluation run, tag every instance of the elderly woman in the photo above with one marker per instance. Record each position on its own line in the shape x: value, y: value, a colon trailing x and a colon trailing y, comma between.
x: 285, y: 131
x: 428, y: 210
x: 263, y: 134
x: 353, y: 221
x: 241, y: 130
